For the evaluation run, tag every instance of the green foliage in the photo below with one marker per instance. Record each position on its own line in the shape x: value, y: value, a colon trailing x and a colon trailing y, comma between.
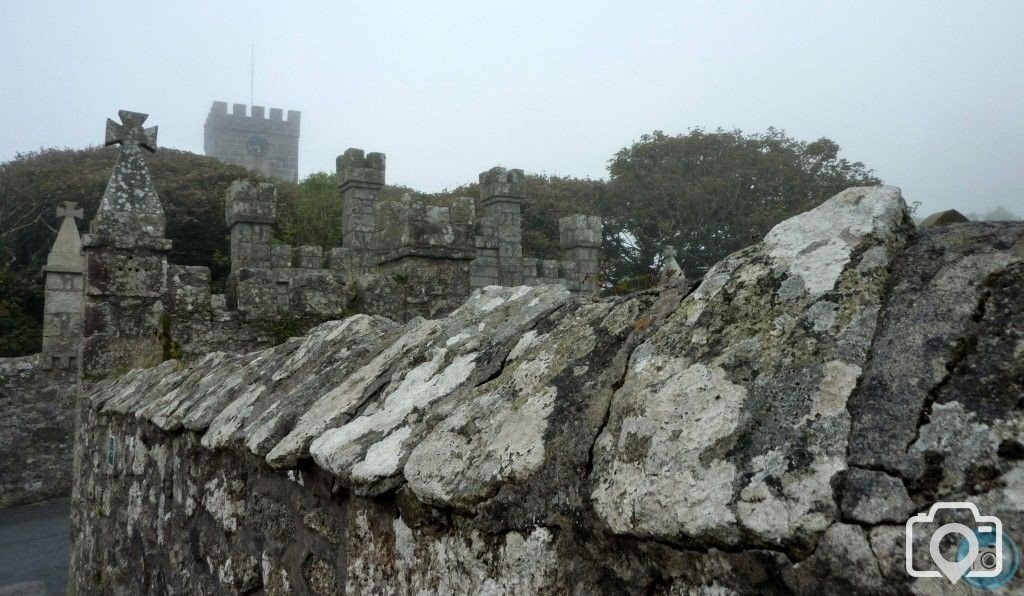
x: 712, y: 193
x: 21, y: 310
x: 312, y: 215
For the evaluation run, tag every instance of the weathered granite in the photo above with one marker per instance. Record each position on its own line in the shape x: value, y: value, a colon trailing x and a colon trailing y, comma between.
x: 673, y: 441
x: 732, y: 421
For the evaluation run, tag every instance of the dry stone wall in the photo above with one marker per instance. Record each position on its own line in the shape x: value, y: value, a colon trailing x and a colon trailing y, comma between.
x: 35, y: 430
x: 765, y: 432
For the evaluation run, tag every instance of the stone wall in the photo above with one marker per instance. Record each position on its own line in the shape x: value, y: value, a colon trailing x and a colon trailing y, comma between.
x: 35, y: 430
x: 274, y: 140
x: 768, y: 431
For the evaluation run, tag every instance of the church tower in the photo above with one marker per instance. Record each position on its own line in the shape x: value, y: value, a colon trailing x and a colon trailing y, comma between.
x: 253, y: 140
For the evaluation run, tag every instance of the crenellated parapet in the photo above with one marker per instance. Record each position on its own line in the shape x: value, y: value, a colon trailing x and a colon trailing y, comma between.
x: 256, y: 139
x: 499, y: 245
x: 269, y: 280
x: 274, y: 119
x: 413, y: 226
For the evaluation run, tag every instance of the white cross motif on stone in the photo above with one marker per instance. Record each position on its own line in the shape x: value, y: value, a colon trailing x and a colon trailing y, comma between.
x: 70, y: 209
x: 130, y: 134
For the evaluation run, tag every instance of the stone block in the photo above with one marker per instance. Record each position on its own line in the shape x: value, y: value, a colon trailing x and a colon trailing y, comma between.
x: 309, y: 257
x: 118, y: 273
x: 529, y: 267
x: 280, y: 256
x: 251, y: 203
x: 320, y: 294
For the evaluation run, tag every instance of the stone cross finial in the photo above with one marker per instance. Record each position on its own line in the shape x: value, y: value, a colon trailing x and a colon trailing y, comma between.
x: 69, y: 209
x: 130, y: 134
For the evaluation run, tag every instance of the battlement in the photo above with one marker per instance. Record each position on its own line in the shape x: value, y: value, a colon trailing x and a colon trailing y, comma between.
x: 499, y: 184
x: 580, y: 231
x: 253, y: 139
x: 355, y: 168
x: 412, y: 224
x: 241, y: 116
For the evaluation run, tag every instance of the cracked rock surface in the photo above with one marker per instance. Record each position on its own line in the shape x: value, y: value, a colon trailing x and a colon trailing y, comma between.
x: 768, y: 430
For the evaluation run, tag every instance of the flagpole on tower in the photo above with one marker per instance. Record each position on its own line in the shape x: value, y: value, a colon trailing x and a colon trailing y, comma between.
x: 252, y: 73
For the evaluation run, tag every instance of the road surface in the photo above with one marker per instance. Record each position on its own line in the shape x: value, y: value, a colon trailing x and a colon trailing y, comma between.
x: 34, y: 545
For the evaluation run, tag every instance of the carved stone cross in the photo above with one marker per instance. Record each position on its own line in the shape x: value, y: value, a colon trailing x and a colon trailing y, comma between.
x: 69, y: 209
x: 130, y: 134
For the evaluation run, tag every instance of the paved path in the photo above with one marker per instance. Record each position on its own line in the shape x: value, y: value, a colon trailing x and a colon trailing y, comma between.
x: 34, y: 545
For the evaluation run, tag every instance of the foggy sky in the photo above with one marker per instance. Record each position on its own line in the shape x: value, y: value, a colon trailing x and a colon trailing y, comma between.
x: 929, y: 94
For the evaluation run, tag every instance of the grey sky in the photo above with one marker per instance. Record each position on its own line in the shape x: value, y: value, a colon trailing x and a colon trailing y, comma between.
x: 929, y: 94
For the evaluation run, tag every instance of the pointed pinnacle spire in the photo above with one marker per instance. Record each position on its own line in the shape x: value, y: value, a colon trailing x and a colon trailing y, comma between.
x: 130, y: 211
x: 66, y: 254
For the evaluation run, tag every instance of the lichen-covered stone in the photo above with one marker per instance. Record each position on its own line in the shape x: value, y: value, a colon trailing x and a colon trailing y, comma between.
x: 731, y: 420
x: 871, y: 497
x: 447, y: 359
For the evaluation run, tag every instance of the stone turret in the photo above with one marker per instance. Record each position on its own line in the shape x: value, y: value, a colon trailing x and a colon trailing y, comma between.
x: 62, y: 311
x: 360, y: 178
x: 580, y: 239
x: 125, y: 261
x: 250, y: 212
x: 501, y: 226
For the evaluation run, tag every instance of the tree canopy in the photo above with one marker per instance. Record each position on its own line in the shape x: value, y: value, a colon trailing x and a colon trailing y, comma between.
x: 710, y: 193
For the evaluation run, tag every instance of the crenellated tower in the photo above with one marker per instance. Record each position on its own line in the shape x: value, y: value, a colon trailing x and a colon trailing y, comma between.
x: 266, y: 144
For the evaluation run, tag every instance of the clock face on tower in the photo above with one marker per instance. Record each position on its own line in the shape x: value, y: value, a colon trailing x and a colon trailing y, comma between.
x: 257, y: 146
